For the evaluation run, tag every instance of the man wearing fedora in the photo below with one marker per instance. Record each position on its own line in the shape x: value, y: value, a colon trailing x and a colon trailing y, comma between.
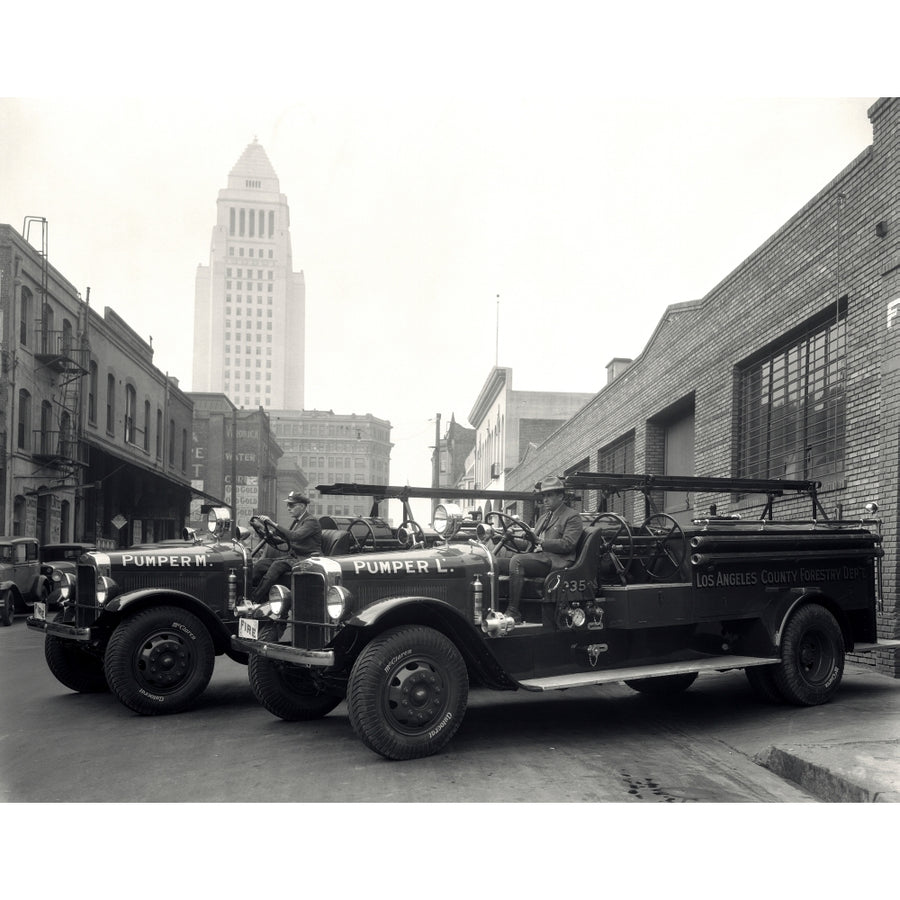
x: 557, y: 530
x: 304, y: 537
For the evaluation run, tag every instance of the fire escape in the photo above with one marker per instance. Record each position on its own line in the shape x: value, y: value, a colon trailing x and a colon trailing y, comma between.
x: 64, y: 354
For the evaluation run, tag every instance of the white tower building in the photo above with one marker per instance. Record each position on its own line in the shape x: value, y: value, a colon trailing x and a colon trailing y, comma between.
x: 249, y: 304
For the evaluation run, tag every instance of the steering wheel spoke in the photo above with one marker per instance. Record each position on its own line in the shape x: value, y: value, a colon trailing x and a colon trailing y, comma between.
x: 617, y: 546
x: 511, y: 530
x: 667, y: 549
x: 267, y: 532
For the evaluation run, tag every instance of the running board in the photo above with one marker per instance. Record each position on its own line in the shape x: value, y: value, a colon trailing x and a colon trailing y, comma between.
x: 876, y: 645
x: 632, y: 673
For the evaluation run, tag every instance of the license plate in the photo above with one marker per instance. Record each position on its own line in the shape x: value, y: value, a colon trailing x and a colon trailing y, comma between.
x: 40, y: 610
x: 249, y: 628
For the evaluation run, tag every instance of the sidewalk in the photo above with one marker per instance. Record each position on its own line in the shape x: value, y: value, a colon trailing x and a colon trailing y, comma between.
x: 850, y: 753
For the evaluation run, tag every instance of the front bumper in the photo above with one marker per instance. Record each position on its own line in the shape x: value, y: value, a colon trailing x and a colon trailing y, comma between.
x: 57, y: 629
x: 296, y: 655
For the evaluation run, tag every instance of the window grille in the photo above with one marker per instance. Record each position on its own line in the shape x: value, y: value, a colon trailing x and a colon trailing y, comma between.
x: 617, y: 459
x: 791, y: 404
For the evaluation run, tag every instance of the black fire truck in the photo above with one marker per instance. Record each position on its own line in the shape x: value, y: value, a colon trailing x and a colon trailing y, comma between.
x: 402, y: 634
x: 147, y: 622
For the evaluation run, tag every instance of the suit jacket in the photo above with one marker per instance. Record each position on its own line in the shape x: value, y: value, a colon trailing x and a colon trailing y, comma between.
x: 558, y: 532
x: 304, y: 536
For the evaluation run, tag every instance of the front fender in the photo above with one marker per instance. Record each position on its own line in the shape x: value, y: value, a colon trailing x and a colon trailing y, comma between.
x: 438, y: 614
x: 137, y: 601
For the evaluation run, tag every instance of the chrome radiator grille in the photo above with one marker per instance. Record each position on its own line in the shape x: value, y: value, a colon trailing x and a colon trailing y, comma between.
x: 311, y: 628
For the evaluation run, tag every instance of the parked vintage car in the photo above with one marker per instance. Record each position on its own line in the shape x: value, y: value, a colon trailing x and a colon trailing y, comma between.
x: 21, y: 580
x: 57, y: 560
x: 403, y: 634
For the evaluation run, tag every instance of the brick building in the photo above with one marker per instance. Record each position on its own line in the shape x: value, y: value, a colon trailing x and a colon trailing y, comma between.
x: 95, y: 439
x: 233, y: 446
x: 790, y: 367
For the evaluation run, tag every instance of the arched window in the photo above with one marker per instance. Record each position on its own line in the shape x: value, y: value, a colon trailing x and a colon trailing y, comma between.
x: 92, y: 394
x: 171, y: 442
x: 146, y: 426
x: 111, y: 404
x: 68, y: 342
x: 26, y: 313
x: 24, y: 424
x: 130, y: 412
x: 45, y: 439
x: 48, y: 344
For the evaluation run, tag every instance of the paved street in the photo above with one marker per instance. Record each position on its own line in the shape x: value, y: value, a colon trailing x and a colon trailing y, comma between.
x: 597, y: 744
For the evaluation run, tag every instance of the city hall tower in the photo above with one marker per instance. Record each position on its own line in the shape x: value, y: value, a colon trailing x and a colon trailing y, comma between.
x: 249, y: 303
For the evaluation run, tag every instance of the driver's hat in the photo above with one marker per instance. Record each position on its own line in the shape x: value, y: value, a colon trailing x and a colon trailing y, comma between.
x: 296, y: 497
x: 550, y: 483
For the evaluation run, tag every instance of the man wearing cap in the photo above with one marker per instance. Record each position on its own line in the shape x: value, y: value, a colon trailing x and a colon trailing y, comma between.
x: 304, y: 537
x: 557, y: 530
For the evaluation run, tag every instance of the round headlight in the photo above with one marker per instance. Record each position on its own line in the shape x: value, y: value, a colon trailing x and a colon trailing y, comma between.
x: 105, y: 589
x: 66, y: 584
x: 336, y: 601
x: 447, y: 519
x: 279, y: 600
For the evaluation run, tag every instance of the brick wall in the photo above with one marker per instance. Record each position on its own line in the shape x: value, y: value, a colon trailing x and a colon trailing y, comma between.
x: 842, y: 247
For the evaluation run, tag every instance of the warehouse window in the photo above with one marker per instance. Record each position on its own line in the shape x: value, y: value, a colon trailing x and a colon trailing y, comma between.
x: 791, y: 405
x: 616, y: 459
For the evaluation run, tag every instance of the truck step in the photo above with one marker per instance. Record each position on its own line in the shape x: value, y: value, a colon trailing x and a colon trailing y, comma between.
x: 892, y: 644
x: 631, y: 673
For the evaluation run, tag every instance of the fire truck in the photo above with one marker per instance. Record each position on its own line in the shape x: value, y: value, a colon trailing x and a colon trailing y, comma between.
x: 403, y: 633
x: 147, y: 622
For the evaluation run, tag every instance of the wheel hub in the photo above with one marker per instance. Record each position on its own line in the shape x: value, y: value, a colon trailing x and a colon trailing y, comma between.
x: 415, y: 695
x: 163, y: 661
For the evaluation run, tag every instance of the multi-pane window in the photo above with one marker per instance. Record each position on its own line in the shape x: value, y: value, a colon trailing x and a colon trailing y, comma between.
x: 617, y: 459
x: 791, y: 403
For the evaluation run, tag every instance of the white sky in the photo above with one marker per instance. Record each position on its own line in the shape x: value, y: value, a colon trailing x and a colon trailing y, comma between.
x: 430, y: 164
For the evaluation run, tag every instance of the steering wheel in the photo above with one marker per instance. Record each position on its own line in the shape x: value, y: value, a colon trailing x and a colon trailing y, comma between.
x: 512, y: 529
x: 414, y: 533
x: 356, y: 544
x: 668, y: 548
x: 267, y: 533
x: 617, y: 544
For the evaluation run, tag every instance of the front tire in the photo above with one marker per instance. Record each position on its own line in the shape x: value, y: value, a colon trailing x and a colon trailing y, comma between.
x: 159, y: 661
x: 287, y: 691
x: 664, y: 685
x: 812, y: 657
x: 407, y: 693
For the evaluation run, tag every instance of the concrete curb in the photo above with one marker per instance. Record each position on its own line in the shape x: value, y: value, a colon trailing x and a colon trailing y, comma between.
x: 851, y: 773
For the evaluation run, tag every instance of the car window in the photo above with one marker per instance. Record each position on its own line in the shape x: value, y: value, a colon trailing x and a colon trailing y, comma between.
x: 31, y: 551
x: 6, y: 554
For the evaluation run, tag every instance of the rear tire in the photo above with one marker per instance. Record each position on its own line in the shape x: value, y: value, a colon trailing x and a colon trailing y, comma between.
x: 74, y: 667
x: 287, y: 691
x: 664, y: 685
x: 812, y: 657
x: 408, y: 692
